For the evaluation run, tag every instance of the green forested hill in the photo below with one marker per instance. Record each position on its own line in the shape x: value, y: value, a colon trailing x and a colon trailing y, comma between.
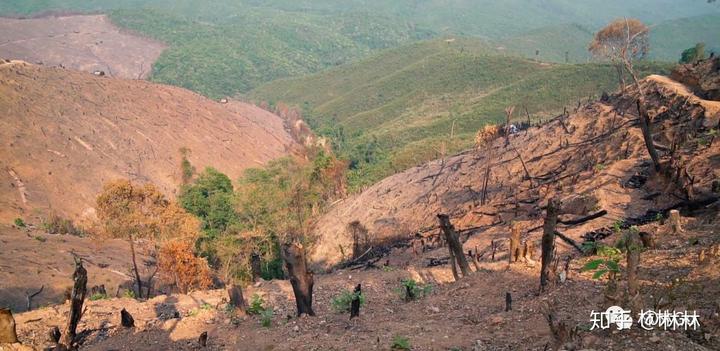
x: 394, y: 110
x: 223, y: 47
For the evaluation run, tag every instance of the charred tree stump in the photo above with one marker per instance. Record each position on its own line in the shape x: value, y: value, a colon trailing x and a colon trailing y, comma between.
x: 8, y: 335
x: 301, y: 278
x: 255, y: 266
x: 508, y: 302
x: 548, y: 242
x: 514, y: 254
x: 54, y: 335
x: 126, y: 319
x: 648, y: 240
x: 77, y: 298
x: 646, y: 127
x: 453, y: 266
x: 355, y: 304
x: 236, y: 297
x: 202, y: 340
x: 454, y: 244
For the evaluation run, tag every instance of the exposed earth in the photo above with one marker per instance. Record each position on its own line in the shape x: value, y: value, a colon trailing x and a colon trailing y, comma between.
x: 83, y: 42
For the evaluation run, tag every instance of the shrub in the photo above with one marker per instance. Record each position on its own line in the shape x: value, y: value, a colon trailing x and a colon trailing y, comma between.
x: 55, y: 224
x: 343, y: 302
x: 19, y: 223
x: 400, y: 343
x: 412, y: 290
x: 129, y: 293
x: 266, y: 317
x: 40, y: 238
x: 256, y: 305
x: 97, y: 296
x: 179, y: 265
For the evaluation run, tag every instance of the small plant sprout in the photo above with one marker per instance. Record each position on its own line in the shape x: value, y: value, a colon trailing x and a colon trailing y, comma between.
x: 256, y: 305
x: 400, y: 343
x: 19, y: 223
x: 412, y: 290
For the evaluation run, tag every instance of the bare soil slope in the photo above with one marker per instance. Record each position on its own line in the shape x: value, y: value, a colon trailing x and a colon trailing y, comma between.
x: 65, y: 133
x: 590, y: 158
x: 87, y: 43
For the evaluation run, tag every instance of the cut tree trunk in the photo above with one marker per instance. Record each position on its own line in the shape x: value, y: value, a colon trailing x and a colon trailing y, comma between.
x: 674, y: 221
x: 8, y: 335
x: 236, y: 297
x: 355, y: 304
x: 454, y: 245
x: 633, y: 245
x: 548, y: 242
x: 514, y: 254
x: 301, y: 278
x: 77, y: 298
x: 508, y: 302
x: 255, y: 266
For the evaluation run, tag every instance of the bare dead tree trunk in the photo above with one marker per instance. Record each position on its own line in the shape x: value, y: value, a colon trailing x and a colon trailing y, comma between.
x: 138, y: 281
x: 508, y: 302
x: 646, y: 128
x: 30, y: 296
x: 355, y: 304
x: 77, y: 298
x: 514, y: 253
x: 301, y: 278
x: 8, y: 335
x: 255, y: 266
x: 236, y: 297
x: 454, y: 245
x: 674, y: 221
x: 453, y: 265
x: 548, y: 242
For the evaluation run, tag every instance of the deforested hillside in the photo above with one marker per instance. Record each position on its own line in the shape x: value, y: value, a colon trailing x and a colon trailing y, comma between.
x: 65, y: 133
x: 593, y: 157
x: 87, y: 43
x: 399, y: 108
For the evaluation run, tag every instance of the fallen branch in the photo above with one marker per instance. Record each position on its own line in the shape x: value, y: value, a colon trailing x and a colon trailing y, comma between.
x: 569, y: 241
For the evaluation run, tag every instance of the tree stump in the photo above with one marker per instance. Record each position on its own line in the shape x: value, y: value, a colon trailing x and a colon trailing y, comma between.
x: 633, y: 244
x: 301, y: 278
x: 126, y: 319
x: 202, y: 340
x: 548, y: 242
x: 355, y: 304
x: 255, y: 266
x: 648, y: 240
x: 77, y: 298
x: 236, y: 297
x: 674, y: 222
x: 54, y: 335
x: 454, y: 245
x: 528, y: 252
x: 514, y: 254
x: 8, y: 335
x: 508, y: 302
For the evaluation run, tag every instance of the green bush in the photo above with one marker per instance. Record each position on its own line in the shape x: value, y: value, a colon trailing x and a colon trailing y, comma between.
x: 97, y: 296
x: 400, y: 343
x: 256, y: 305
x: 343, y: 302
x: 266, y: 317
x: 19, y: 223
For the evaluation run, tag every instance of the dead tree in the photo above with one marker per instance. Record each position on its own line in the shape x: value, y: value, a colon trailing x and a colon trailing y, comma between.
x: 514, y: 254
x: 8, y: 335
x: 454, y: 245
x: 126, y: 319
x: 548, y: 242
x: 646, y: 128
x: 301, y: 278
x: 355, y: 304
x: 77, y: 298
x: 29, y: 296
x: 236, y: 297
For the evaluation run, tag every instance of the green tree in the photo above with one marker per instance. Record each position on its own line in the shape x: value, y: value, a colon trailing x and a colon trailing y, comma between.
x: 693, y: 54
